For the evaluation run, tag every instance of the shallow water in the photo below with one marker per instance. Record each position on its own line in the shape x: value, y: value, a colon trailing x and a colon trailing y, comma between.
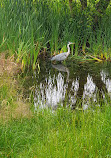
x: 63, y: 84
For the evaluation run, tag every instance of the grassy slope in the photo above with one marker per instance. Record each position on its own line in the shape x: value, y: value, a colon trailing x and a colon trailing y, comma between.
x: 64, y: 133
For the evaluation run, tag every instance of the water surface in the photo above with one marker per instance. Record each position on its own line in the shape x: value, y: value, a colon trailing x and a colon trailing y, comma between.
x: 64, y: 84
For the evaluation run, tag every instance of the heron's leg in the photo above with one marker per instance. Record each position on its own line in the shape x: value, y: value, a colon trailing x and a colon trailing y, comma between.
x: 63, y: 62
x: 59, y: 62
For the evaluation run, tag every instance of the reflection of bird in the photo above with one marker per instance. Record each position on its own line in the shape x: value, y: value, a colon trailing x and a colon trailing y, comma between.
x: 62, y: 68
x: 62, y: 56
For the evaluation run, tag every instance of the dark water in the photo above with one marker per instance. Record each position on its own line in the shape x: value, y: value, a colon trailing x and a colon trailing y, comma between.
x: 64, y: 84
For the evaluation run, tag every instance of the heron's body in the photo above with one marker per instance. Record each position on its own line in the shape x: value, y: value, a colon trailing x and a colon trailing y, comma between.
x: 62, y: 56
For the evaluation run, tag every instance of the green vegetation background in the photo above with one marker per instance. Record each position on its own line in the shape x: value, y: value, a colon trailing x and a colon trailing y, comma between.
x: 28, y: 28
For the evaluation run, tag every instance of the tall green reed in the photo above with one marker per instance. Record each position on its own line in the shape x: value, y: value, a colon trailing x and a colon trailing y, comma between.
x: 49, y: 24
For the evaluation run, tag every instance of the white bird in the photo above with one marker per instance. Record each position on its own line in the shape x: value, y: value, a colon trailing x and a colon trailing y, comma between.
x: 62, y: 56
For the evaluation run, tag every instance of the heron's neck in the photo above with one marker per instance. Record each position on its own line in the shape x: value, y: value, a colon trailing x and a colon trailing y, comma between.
x: 68, y: 49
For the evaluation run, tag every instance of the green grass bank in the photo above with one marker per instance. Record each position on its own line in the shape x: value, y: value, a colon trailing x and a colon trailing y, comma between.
x: 63, y: 133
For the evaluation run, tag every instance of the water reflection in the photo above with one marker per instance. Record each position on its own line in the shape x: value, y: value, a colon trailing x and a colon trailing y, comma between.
x: 61, y: 85
x: 51, y: 92
x: 90, y: 92
x: 62, y: 68
x: 107, y: 81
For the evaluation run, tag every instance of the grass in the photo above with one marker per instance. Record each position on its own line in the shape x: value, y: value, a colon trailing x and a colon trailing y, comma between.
x: 63, y: 133
x: 26, y: 28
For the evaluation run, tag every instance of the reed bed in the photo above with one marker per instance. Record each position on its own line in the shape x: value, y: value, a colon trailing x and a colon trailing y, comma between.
x: 26, y: 28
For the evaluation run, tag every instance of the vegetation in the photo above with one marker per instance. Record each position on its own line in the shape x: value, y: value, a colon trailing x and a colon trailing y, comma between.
x: 46, y: 133
x: 62, y: 133
x: 12, y: 102
x: 28, y: 28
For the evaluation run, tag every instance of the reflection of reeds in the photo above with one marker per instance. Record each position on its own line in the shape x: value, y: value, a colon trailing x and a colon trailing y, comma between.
x: 26, y: 27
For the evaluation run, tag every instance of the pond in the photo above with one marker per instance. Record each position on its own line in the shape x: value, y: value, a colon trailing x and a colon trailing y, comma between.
x: 64, y: 84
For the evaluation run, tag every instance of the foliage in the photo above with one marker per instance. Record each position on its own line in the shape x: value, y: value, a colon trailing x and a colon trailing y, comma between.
x: 28, y: 27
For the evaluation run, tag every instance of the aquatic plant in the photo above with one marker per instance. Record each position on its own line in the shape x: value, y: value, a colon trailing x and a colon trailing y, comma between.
x: 26, y: 28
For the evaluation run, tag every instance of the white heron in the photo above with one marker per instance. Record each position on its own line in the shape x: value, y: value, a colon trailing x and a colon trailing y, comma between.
x: 62, y: 56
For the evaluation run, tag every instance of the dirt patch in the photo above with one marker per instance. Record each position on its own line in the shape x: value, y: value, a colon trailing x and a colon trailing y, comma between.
x: 22, y: 110
x: 12, y: 103
x: 19, y: 111
x: 8, y: 65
